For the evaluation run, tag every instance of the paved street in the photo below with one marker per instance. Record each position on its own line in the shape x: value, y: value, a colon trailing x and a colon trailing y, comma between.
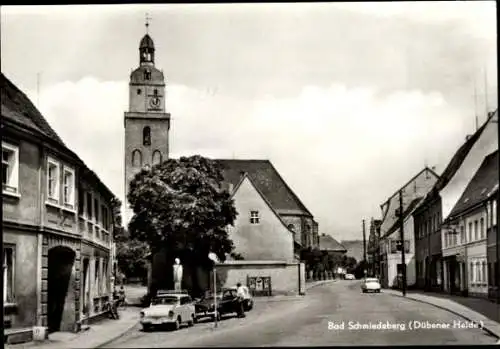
x: 305, y: 322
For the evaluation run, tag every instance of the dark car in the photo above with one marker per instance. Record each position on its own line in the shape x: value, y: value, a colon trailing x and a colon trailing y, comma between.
x: 227, y: 303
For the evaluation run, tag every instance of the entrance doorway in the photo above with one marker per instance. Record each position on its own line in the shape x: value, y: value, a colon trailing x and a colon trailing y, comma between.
x: 60, y: 307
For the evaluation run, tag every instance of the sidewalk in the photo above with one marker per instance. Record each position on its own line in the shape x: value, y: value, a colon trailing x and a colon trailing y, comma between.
x: 97, y: 335
x: 480, y: 311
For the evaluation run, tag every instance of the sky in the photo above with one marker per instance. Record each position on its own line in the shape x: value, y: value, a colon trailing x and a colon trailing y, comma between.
x: 347, y: 100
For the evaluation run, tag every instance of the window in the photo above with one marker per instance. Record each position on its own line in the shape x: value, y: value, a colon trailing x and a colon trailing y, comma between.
x: 481, y: 226
x: 97, y: 284
x: 81, y: 201
x: 478, y: 272
x: 155, y: 92
x: 254, y: 217
x: 483, y: 267
x: 89, y: 206
x: 146, y: 136
x: 476, y: 231
x: 156, y: 157
x: 96, y: 210
x: 69, y: 188
x: 139, y: 91
x: 8, y: 274
x: 53, y: 180
x: 104, y: 286
x: 462, y: 234
x: 470, y: 232
x: 291, y: 227
x: 147, y: 73
x: 494, y: 213
x: 471, y: 272
x: 10, y: 168
x: 136, y: 158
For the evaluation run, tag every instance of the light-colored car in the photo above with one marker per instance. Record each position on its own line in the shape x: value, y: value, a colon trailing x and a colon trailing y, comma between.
x: 371, y: 285
x: 169, y: 309
x: 349, y: 277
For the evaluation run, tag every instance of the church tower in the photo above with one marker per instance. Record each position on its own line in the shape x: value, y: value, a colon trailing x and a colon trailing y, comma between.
x: 147, y: 124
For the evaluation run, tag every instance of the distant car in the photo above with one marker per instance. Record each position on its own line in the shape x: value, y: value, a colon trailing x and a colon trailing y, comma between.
x: 349, y: 277
x: 247, y: 298
x: 227, y: 303
x: 169, y: 308
x: 371, y: 285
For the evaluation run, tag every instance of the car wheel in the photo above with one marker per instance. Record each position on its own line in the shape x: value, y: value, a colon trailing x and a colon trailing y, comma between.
x: 177, y: 323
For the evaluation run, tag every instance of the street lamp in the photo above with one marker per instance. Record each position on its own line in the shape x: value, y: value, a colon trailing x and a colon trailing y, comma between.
x: 213, y: 257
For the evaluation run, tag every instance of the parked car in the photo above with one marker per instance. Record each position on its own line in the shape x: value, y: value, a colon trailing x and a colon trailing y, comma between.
x: 349, y: 277
x: 169, y: 308
x: 227, y: 303
x: 247, y: 299
x: 370, y: 285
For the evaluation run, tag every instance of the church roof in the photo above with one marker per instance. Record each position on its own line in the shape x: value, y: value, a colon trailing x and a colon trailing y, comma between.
x: 267, y: 180
x: 17, y: 107
x: 328, y: 243
x: 481, y: 186
x: 147, y: 42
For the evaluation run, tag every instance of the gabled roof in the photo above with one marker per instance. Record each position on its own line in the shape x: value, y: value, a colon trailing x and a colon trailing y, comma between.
x: 407, y: 212
x: 267, y: 180
x: 484, y: 182
x: 455, y: 163
x: 328, y: 243
x: 238, y: 185
x: 388, y: 201
x: 17, y: 107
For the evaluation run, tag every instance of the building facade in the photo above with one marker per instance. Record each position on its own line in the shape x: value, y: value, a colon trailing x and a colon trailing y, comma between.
x: 390, y: 255
x: 50, y: 247
x: 146, y: 123
x: 492, y: 246
x: 464, y: 234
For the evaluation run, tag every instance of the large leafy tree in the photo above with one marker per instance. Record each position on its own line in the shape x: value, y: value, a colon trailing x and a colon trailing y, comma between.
x: 179, y: 206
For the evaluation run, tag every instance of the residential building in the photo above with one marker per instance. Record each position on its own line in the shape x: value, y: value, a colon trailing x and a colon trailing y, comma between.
x: 259, y: 233
x: 56, y: 227
x: 492, y: 246
x: 464, y: 234
x: 278, y: 193
x: 428, y: 218
x: 328, y: 244
x: 390, y: 255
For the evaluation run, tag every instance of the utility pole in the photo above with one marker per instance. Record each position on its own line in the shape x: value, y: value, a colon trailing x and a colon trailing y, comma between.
x: 364, y: 248
x: 401, y: 228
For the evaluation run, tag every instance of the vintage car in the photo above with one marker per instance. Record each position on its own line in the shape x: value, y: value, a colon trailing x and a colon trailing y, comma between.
x: 370, y: 285
x: 349, y: 277
x: 169, y: 308
x: 227, y: 303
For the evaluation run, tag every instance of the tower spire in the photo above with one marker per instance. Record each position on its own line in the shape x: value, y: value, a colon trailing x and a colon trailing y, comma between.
x: 147, y: 22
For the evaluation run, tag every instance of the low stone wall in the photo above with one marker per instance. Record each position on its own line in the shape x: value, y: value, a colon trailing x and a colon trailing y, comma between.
x: 287, y: 278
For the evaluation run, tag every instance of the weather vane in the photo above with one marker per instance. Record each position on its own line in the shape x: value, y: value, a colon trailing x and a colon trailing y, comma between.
x: 147, y: 22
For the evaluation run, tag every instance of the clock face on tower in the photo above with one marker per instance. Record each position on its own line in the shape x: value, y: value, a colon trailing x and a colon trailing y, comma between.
x: 154, y: 102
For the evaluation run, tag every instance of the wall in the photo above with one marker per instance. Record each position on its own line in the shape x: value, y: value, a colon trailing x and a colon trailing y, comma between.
x: 26, y: 208
x: 25, y: 274
x: 285, y: 279
x: 268, y: 240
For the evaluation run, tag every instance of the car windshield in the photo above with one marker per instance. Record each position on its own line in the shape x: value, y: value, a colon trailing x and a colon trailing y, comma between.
x: 371, y: 280
x: 165, y: 300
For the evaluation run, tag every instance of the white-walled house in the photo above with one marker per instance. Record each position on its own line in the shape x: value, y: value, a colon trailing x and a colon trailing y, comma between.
x: 464, y: 234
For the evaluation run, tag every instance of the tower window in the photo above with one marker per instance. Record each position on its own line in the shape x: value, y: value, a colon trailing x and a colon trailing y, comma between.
x: 156, y: 157
x: 155, y: 92
x: 147, y: 75
x: 136, y: 158
x: 146, y: 136
x: 139, y: 91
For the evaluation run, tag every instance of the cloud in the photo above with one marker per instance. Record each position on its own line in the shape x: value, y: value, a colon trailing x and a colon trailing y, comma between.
x: 342, y: 150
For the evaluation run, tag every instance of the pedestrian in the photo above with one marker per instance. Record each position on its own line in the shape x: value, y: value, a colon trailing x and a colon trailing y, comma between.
x: 121, y: 296
x: 240, y: 294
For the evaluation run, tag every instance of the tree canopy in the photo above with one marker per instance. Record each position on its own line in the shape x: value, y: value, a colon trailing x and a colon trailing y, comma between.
x: 179, y: 205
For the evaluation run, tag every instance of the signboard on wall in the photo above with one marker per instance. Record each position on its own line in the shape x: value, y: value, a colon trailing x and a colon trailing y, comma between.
x: 259, y: 285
